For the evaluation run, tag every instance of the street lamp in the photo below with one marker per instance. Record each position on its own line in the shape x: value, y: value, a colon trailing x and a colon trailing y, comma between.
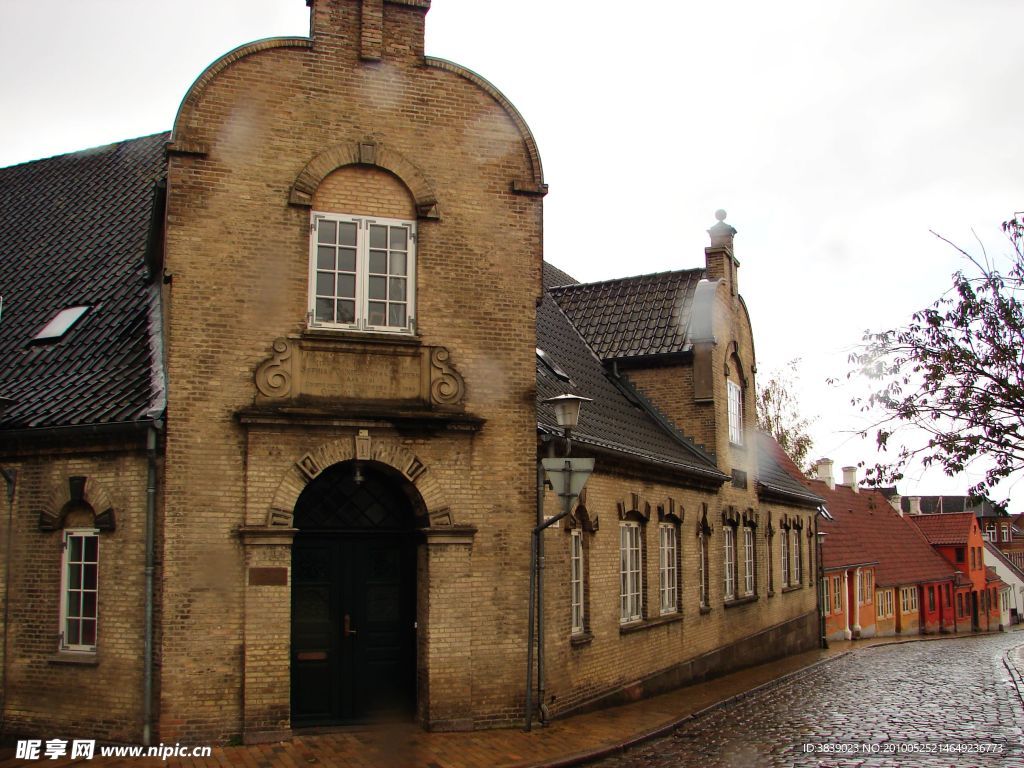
x: 567, y: 477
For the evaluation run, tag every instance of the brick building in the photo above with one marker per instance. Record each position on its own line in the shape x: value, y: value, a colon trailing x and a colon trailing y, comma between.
x: 274, y: 394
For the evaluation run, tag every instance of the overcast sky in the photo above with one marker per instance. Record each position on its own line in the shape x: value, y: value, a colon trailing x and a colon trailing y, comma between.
x: 835, y: 134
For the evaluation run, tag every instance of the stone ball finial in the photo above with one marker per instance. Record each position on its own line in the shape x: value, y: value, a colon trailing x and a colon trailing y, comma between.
x: 720, y: 214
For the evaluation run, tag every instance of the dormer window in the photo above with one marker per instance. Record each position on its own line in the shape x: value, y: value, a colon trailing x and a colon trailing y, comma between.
x: 735, y: 395
x: 60, y: 324
x: 362, y: 273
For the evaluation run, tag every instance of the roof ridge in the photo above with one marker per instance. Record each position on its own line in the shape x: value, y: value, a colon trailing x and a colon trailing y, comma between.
x: 87, y: 150
x: 628, y: 278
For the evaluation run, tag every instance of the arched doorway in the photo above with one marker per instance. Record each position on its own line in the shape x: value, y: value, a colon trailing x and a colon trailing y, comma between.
x: 354, y: 596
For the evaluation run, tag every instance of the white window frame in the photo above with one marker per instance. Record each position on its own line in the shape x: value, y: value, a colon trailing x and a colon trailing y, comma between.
x: 630, y: 573
x: 576, y: 580
x: 668, y: 549
x: 795, y: 551
x: 837, y: 597
x: 748, y: 561
x: 73, y: 598
x: 702, y: 570
x: 869, y: 586
x: 735, y: 404
x: 361, y: 320
x: 784, y: 542
x: 826, y: 598
x: 729, y: 559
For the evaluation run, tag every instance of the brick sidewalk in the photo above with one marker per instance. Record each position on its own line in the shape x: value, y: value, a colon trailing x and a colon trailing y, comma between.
x: 561, y: 743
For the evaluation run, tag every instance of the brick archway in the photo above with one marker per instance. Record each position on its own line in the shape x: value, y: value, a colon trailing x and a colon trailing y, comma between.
x: 370, y: 153
x: 387, y: 452
x: 72, y: 490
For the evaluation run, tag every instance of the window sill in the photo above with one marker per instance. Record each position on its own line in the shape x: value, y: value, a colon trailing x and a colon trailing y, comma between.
x: 745, y: 600
x: 79, y: 658
x: 705, y: 610
x: 387, y: 337
x: 792, y: 588
x: 581, y: 639
x: 771, y: 593
x: 639, y: 626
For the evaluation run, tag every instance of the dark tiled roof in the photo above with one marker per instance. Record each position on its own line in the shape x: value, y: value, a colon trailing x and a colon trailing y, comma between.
x: 949, y: 504
x: 73, y: 231
x: 946, y: 528
x: 777, y: 473
x: 617, y: 419
x: 632, y: 316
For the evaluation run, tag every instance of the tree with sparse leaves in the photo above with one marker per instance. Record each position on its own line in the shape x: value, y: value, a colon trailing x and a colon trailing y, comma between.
x: 778, y: 414
x: 956, y: 374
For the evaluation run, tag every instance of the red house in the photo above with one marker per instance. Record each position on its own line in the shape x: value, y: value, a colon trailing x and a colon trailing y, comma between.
x: 959, y: 540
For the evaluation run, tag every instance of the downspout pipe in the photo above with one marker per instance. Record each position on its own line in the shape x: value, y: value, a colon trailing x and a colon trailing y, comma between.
x: 11, y: 476
x: 534, y: 546
x: 147, y: 643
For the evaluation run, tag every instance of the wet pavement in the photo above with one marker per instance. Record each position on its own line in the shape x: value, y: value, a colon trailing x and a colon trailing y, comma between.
x: 952, y: 702
x: 930, y: 692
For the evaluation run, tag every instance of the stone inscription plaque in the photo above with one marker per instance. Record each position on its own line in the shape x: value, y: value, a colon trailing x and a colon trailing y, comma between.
x: 347, y: 371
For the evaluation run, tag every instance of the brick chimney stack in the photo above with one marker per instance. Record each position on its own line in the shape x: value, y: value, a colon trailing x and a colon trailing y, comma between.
x: 720, y: 261
x: 897, y: 503
x: 370, y: 30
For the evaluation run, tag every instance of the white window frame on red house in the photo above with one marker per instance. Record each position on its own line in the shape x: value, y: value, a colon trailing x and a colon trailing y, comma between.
x: 837, y: 598
x: 79, y: 590
x: 630, y: 573
x: 908, y: 599
x: 735, y: 404
x: 352, y: 270
x: 826, y: 599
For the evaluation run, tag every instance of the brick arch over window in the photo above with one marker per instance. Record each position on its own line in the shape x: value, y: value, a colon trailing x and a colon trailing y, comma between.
x: 74, y: 492
x: 308, y: 467
x: 365, y: 153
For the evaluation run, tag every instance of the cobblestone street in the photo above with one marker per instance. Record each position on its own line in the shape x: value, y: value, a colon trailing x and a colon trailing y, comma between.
x: 893, y: 705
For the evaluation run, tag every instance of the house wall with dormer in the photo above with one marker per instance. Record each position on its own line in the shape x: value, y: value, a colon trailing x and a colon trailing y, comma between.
x: 265, y: 396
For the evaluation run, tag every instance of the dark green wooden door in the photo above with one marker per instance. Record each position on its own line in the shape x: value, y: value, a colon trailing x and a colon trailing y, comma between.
x: 353, y: 603
x: 352, y: 629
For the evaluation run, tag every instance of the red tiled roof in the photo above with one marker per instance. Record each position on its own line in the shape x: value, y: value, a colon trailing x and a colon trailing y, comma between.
x: 866, y: 529
x: 945, y: 529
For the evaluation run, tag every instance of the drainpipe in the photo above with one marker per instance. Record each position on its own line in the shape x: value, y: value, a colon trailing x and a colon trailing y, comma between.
x: 541, y: 707
x: 147, y: 643
x: 11, y: 476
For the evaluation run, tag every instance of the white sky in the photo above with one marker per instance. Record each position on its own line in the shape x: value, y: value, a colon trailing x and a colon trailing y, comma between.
x: 836, y: 134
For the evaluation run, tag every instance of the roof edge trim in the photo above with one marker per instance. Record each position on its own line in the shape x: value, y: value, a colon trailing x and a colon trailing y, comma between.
x: 178, y: 140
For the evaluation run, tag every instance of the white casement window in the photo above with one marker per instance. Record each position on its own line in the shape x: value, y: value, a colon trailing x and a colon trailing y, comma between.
x: 784, y: 542
x: 908, y: 599
x: 576, y: 579
x: 826, y: 602
x: 748, y: 560
x: 729, y: 551
x: 362, y: 273
x: 702, y: 567
x: 869, y: 586
x: 667, y: 552
x: 837, y: 594
x: 79, y: 590
x: 860, y: 587
x: 884, y: 603
x: 735, y: 413
x: 631, y: 607
x: 797, y: 569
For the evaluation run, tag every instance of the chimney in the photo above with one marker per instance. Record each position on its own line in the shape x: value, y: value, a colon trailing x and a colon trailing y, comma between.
x: 850, y: 478
x: 915, y: 505
x: 719, y: 260
x: 897, y: 503
x: 823, y: 469
x: 355, y: 29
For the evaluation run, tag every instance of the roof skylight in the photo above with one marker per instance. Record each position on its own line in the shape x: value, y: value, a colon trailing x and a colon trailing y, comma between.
x: 60, y: 324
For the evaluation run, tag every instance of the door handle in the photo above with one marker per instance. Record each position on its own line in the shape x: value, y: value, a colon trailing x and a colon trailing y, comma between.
x: 347, y: 630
